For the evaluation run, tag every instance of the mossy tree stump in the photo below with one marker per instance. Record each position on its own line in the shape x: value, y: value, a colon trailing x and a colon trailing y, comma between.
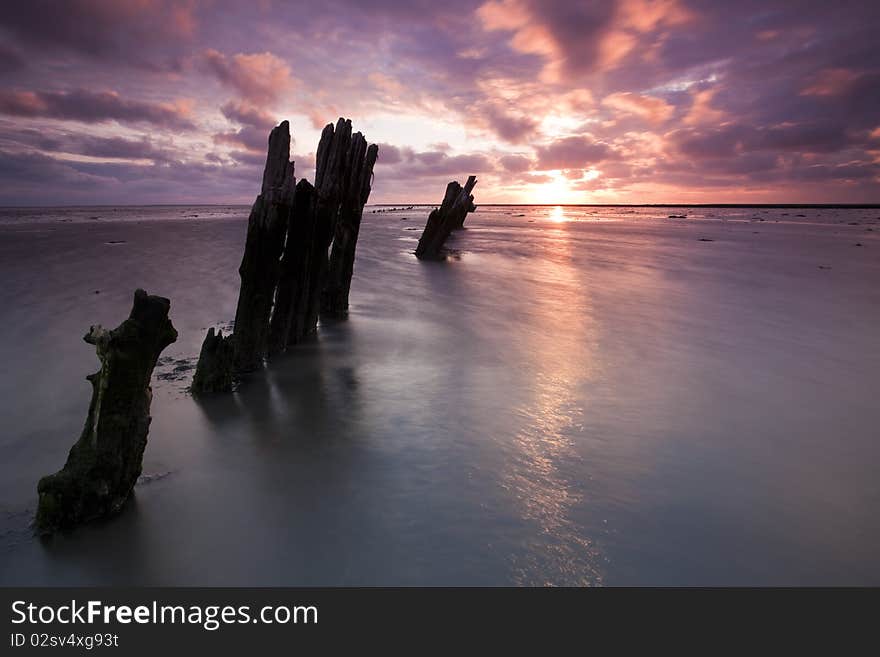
x: 104, y: 464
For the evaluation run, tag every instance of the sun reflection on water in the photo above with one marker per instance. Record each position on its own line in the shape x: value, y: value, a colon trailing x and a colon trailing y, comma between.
x: 557, y: 215
x: 537, y: 477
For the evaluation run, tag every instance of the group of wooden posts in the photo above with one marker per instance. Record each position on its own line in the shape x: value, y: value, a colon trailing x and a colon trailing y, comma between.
x: 297, y: 266
x: 298, y: 257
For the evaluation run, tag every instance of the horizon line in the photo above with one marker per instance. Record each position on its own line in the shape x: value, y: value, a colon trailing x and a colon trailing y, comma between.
x: 830, y: 206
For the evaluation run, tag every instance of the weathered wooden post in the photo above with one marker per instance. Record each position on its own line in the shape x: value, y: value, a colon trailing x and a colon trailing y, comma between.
x: 450, y: 216
x: 222, y: 358
x: 105, y: 463
x: 288, y: 325
x: 331, y: 168
x: 267, y: 227
x: 286, y: 271
x: 325, y: 214
x: 361, y: 160
x: 214, y: 370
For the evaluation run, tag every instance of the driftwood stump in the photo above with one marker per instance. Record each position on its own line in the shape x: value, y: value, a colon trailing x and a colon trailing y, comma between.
x: 267, y: 227
x: 311, y: 283
x: 450, y: 216
x: 288, y: 325
x: 104, y: 464
x: 214, y: 369
x: 359, y: 177
x: 331, y: 168
x: 287, y: 270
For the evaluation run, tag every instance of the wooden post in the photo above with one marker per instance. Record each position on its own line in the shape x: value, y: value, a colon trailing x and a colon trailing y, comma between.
x: 104, y: 464
x: 286, y: 271
x: 361, y: 160
x: 259, y: 271
x: 214, y: 371
x: 288, y: 325
x: 457, y: 202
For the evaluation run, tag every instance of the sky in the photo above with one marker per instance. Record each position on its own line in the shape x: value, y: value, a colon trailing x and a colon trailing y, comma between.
x: 546, y: 101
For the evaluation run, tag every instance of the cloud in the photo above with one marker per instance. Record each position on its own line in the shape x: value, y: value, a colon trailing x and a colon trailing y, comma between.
x: 257, y: 78
x: 574, y: 38
x: 701, y: 110
x: 32, y: 170
x: 10, y: 59
x: 732, y: 139
x: 111, y: 31
x: 650, y: 108
x: 253, y: 134
x: 508, y: 126
x: 515, y: 163
x: 389, y: 154
x: 403, y: 172
x: 50, y: 140
x: 80, y: 182
x: 831, y: 82
x: 114, y: 148
x: 247, y: 115
x: 95, y: 107
x: 664, y: 98
x: 572, y: 153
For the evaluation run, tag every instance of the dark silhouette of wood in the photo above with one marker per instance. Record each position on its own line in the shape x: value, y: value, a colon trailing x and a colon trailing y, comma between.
x: 105, y: 463
x: 214, y: 369
x: 359, y: 177
x: 287, y: 268
x: 470, y: 207
x: 305, y: 268
x: 331, y: 169
x: 288, y: 325
x: 325, y: 214
x: 450, y: 216
x: 259, y: 271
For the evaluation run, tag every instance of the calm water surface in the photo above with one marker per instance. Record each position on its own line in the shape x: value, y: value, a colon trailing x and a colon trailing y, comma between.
x: 579, y: 396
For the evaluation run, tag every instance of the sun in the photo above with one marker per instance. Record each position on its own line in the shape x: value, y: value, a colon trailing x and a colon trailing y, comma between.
x: 555, y: 190
x: 557, y: 215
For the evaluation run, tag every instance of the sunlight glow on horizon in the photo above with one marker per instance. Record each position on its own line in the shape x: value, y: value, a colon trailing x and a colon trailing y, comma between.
x: 547, y: 103
x: 557, y: 215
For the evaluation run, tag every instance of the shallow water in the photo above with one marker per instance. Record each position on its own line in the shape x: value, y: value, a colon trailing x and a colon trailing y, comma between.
x: 578, y: 396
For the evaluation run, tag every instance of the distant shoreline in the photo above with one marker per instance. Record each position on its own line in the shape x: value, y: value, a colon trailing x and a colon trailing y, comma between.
x: 829, y: 206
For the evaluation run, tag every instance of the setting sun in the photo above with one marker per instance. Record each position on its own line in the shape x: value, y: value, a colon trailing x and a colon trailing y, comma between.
x: 555, y: 189
x: 487, y: 293
x: 557, y: 215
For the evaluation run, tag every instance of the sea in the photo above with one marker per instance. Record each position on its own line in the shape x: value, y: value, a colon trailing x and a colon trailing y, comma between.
x: 576, y: 396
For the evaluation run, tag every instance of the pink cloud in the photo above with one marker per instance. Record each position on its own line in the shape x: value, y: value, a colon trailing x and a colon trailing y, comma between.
x: 831, y: 82
x: 515, y: 163
x: 258, y: 78
x: 248, y: 115
x: 581, y: 37
x: 576, y: 152
x: 96, y: 107
x: 650, y: 108
x: 121, y: 30
x: 702, y: 110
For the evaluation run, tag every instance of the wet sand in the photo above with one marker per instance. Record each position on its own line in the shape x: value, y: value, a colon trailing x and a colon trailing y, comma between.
x: 579, y: 396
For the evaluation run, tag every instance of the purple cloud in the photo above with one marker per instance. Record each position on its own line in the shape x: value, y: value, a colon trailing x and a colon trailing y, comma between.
x: 95, y: 107
x: 657, y: 97
x: 573, y: 152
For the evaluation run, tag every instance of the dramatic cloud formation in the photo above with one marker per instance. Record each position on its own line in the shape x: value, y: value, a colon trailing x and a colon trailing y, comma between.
x: 546, y: 100
x: 91, y: 107
x: 258, y: 78
x: 572, y: 153
x: 142, y: 33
